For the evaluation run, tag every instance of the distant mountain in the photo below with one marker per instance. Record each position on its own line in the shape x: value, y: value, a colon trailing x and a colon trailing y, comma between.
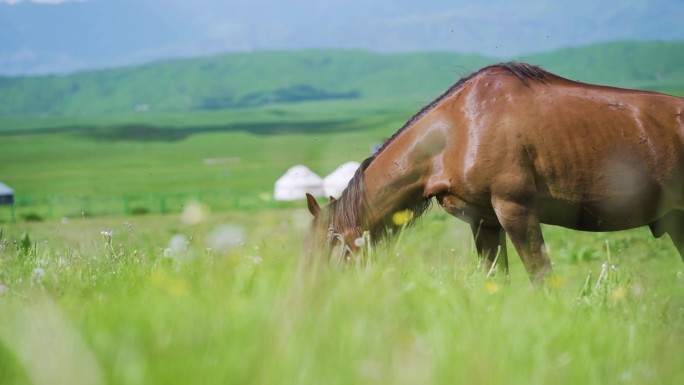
x: 234, y: 81
x: 244, y: 80
x: 85, y: 35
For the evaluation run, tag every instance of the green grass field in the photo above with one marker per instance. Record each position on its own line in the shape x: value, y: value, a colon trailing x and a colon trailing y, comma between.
x: 225, y: 295
x: 231, y: 300
x: 96, y: 167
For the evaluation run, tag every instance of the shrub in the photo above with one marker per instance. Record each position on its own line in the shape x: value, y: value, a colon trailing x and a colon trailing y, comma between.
x: 32, y: 217
x: 140, y: 210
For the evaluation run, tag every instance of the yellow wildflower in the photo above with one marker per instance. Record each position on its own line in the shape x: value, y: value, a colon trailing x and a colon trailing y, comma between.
x: 175, y: 287
x: 400, y: 218
x: 491, y: 287
x: 555, y: 282
x: 618, y: 294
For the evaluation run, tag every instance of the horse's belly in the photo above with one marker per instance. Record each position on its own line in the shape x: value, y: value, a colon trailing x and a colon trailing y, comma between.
x: 611, y: 195
x: 627, y: 212
x: 467, y: 211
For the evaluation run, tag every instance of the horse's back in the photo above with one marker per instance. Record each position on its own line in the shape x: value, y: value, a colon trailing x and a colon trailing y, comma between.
x: 601, y: 158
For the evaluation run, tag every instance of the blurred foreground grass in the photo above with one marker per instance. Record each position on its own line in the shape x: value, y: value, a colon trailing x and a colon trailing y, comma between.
x: 228, y: 299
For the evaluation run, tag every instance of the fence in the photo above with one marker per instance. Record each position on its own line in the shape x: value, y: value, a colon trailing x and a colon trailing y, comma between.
x: 50, y: 207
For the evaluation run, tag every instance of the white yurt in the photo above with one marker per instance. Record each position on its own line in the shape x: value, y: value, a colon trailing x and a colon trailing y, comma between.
x: 296, y: 182
x: 337, y: 181
x: 6, y: 194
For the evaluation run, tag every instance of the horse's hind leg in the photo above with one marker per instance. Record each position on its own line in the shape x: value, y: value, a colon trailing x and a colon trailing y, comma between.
x: 676, y: 231
x: 673, y: 225
x: 490, y: 241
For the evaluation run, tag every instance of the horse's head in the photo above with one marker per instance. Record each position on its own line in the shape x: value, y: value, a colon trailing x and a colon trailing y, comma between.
x: 327, y: 236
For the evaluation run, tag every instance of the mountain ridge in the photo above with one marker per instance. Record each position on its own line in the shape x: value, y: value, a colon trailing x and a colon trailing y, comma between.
x: 243, y: 80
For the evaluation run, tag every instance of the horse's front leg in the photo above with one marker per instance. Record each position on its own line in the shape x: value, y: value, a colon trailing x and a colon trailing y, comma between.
x: 490, y: 242
x: 521, y: 223
x: 489, y: 236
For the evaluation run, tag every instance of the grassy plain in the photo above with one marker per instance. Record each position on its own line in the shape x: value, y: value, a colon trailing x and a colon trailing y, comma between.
x: 227, y: 155
x: 162, y: 301
x: 133, y: 153
x: 227, y: 297
x: 229, y: 300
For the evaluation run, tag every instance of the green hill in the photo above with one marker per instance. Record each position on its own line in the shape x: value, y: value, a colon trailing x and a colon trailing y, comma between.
x: 233, y: 81
x: 245, y: 80
x: 652, y: 65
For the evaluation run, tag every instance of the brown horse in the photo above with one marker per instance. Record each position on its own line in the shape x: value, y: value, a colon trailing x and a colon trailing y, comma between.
x: 512, y: 146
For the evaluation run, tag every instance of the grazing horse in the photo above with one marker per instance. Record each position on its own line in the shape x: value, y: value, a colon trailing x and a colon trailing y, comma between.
x: 512, y: 146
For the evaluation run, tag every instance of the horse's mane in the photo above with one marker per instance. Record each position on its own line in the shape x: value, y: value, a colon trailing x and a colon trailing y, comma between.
x: 350, y: 210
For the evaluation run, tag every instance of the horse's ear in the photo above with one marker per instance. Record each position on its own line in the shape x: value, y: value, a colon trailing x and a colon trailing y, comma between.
x: 331, y: 199
x: 314, y: 208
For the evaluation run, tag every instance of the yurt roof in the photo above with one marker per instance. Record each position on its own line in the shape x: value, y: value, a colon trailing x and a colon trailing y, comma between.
x: 5, y: 189
x: 299, y: 176
x: 344, y: 172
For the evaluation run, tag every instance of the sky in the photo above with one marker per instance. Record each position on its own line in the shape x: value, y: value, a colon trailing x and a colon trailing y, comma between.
x: 62, y: 36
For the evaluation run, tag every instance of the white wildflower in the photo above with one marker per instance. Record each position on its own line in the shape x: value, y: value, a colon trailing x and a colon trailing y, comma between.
x: 194, y: 213
x: 178, y: 243
x: 38, y: 273
x: 226, y: 237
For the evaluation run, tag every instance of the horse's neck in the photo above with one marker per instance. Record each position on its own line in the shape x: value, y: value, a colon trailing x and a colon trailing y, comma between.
x: 395, y: 180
